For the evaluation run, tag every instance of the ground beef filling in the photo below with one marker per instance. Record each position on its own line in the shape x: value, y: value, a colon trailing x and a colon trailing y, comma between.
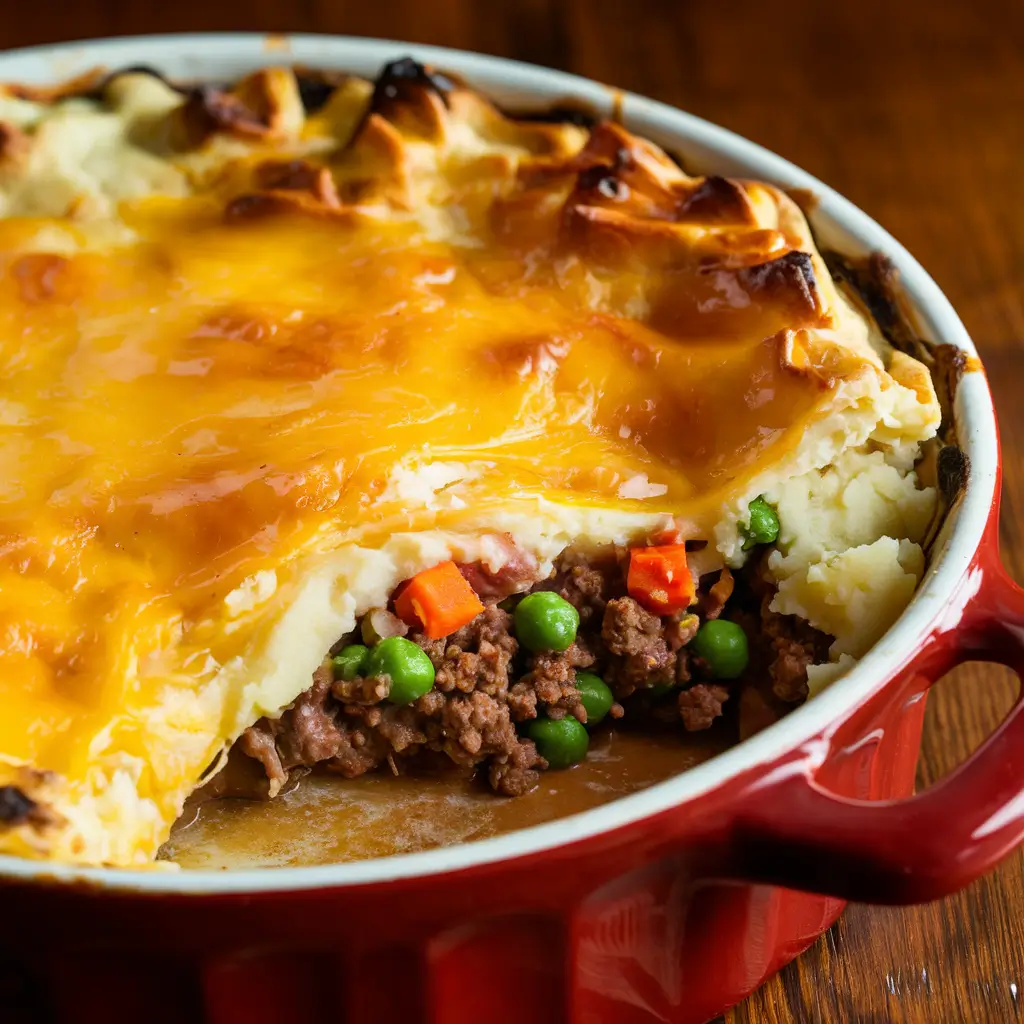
x: 487, y: 687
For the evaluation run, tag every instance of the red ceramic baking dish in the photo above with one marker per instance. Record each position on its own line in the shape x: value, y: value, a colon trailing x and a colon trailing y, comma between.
x: 668, y: 905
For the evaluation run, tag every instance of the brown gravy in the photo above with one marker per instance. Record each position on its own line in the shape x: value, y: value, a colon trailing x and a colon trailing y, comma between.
x: 326, y: 819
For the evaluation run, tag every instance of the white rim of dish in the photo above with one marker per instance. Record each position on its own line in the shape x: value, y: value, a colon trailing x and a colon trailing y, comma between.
x: 842, y: 226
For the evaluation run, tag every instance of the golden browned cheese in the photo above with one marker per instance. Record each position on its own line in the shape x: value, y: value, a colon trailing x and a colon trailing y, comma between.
x: 230, y: 385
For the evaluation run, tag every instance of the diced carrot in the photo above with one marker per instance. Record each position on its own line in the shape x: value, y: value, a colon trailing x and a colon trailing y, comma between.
x: 438, y: 601
x: 659, y: 578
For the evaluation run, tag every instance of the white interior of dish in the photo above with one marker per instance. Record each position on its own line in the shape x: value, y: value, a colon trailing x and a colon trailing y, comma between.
x: 838, y: 224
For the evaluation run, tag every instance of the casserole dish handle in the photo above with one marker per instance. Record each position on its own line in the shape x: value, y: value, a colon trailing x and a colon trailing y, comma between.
x: 790, y: 831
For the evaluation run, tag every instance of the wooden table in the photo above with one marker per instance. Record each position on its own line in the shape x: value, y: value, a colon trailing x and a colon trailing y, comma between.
x: 914, y: 109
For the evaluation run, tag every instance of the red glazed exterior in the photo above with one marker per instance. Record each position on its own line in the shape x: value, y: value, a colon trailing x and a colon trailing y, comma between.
x: 661, y: 920
x: 669, y: 918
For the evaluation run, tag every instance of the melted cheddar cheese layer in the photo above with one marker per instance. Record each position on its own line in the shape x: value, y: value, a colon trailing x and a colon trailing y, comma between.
x: 259, y: 363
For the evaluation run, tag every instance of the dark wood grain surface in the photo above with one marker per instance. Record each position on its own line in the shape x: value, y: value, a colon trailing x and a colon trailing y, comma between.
x: 914, y: 109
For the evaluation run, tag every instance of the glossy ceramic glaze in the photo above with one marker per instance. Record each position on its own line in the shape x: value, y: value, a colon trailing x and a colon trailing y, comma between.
x: 668, y: 905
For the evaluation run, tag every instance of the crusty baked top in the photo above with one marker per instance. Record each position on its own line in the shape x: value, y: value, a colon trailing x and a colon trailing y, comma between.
x: 243, y: 327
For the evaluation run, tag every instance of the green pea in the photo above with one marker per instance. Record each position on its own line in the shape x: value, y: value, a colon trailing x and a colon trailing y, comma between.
x: 764, y: 524
x: 411, y: 672
x: 723, y: 645
x: 661, y: 689
x: 562, y: 742
x: 546, y: 622
x: 349, y: 661
x: 594, y: 696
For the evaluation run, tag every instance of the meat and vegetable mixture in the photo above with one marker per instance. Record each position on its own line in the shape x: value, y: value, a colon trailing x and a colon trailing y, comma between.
x: 510, y: 674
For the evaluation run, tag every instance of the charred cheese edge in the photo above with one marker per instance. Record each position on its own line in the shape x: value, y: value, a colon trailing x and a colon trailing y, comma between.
x: 268, y: 350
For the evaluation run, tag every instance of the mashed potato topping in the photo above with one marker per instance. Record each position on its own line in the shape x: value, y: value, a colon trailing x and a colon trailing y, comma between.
x: 268, y: 351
